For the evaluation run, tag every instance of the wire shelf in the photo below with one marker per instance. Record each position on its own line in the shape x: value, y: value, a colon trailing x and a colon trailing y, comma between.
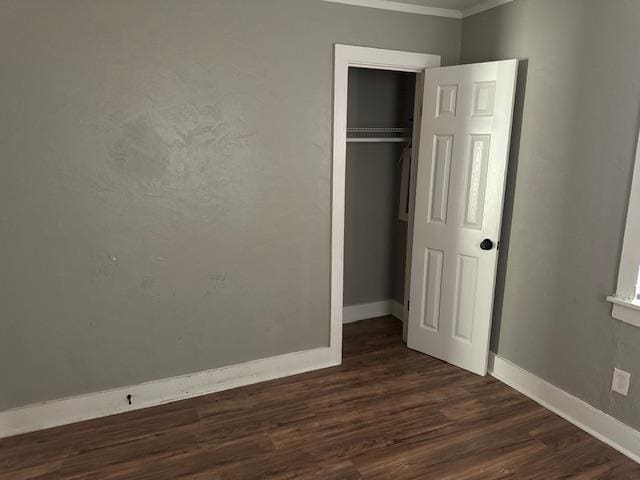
x: 377, y: 135
x: 378, y: 130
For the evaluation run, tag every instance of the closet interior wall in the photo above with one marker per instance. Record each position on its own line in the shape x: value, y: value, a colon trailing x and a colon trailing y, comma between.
x: 375, y: 237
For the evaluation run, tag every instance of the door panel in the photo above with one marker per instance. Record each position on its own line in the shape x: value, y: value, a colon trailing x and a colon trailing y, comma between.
x: 466, y: 128
x: 441, y: 167
x: 432, y: 287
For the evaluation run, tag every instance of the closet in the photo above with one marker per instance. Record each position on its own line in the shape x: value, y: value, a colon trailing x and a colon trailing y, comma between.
x: 378, y: 155
x: 459, y: 127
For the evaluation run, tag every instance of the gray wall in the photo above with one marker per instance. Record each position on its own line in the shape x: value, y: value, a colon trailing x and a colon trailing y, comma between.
x: 375, y: 239
x: 371, y: 212
x: 165, y: 185
x: 576, y: 127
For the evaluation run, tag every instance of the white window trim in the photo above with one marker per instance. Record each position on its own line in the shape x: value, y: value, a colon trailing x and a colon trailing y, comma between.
x: 626, y: 306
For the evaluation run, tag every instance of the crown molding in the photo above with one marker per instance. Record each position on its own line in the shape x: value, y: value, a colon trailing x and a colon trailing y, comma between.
x: 483, y: 6
x: 412, y: 8
x: 402, y: 7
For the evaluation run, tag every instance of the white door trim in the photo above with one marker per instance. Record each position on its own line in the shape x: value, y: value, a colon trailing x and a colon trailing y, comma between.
x: 346, y: 56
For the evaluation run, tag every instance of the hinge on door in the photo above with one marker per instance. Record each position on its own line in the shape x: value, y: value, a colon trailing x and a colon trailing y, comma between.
x: 408, y: 304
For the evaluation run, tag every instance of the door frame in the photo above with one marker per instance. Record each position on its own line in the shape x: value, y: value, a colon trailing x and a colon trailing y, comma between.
x: 346, y: 56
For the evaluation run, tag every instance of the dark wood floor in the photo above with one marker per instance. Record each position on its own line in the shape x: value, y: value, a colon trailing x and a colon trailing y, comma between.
x: 386, y: 413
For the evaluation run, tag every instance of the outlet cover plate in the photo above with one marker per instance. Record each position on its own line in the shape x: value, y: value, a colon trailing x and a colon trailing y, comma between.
x: 620, y: 382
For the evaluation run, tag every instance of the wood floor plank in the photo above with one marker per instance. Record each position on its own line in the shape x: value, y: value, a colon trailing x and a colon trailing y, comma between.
x: 386, y: 413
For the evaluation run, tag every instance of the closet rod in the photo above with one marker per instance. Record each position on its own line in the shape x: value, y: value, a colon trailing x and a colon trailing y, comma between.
x: 378, y: 140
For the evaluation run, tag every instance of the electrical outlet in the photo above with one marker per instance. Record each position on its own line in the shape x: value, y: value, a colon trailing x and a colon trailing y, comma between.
x: 620, y: 382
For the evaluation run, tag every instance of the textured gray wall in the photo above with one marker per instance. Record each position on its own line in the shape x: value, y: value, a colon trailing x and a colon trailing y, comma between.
x: 369, y: 238
x: 375, y: 239
x: 576, y: 126
x: 165, y: 185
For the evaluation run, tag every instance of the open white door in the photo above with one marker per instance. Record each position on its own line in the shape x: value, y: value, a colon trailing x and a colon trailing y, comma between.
x: 464, y: 148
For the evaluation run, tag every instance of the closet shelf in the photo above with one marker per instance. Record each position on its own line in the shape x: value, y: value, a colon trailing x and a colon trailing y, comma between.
x: 377, y: 139
x: 378, y: 130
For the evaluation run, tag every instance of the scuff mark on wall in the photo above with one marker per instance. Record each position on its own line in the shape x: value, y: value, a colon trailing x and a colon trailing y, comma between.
x: 147, y: 282
x: 193, y: 159
x: 141, y: 151
x: 219, y: 280
x: 105, y: 266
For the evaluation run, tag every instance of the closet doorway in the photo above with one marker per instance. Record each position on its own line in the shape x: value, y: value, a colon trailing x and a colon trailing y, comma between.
x: 378, y: 162
x: 425, y: 145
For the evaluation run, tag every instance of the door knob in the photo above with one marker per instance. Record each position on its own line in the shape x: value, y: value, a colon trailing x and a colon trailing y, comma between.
x: 486, y: 244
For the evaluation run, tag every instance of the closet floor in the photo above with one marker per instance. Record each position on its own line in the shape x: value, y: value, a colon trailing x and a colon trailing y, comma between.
x: 386, y: 413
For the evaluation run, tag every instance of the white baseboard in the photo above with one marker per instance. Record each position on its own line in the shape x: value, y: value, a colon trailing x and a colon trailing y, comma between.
x: 363, y: 311
x: 100, y: 404
x: 595, y: 422
x: 397, y: 310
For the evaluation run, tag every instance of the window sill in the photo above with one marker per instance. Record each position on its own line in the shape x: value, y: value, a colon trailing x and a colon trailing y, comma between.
x: 627, y: 311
